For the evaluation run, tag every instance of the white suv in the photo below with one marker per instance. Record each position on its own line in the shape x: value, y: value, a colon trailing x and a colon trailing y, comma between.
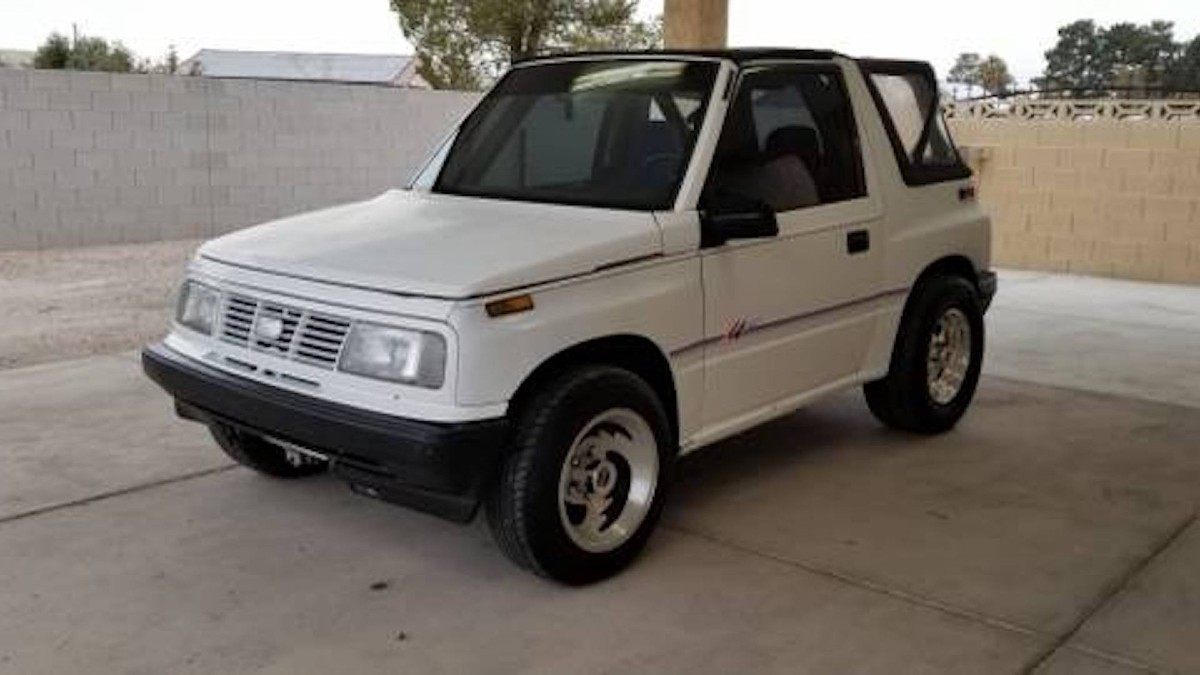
x: 616, y: 259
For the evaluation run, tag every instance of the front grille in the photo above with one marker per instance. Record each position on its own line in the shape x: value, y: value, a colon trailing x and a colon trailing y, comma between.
x: 287, y: 317
x: 238, y: 319
x: 299, y: 335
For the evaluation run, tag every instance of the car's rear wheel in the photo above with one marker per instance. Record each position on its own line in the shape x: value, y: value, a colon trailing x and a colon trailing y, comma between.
x: 936, y: 360
x: 582, y: 487
x: 258, y: 453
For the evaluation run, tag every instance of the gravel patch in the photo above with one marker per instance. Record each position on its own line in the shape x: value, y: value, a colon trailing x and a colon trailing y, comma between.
x: 69, y: 303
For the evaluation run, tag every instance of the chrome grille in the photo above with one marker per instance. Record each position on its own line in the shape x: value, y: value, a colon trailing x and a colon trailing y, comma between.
x: 304, y: 336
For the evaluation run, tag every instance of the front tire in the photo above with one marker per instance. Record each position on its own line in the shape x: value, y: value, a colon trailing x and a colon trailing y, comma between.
x: 936, y: 360
x: 255, y: 452
x: 584, y: 483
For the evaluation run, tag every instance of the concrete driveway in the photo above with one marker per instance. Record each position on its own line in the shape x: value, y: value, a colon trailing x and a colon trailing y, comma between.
x: 1054, y: 532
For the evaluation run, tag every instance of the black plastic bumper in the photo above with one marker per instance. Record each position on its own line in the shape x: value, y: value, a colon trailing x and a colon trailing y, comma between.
x: 433, y: 467
x: 986, y: 284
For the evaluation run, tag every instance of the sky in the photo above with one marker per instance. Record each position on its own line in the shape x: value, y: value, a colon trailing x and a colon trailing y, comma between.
x: 1020, y: 31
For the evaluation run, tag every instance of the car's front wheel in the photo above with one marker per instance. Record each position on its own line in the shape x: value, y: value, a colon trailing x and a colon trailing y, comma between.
x: 582, y: 487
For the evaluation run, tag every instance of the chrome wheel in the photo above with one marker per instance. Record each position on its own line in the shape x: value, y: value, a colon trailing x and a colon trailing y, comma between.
x: 949, y: 356
x: 608, y: 480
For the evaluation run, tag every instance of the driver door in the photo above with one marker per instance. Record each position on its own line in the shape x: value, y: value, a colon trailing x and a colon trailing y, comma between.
x: 788, y: 315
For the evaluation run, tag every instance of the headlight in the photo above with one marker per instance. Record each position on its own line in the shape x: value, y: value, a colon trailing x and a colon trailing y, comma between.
x: 198, y: 307
x: 395, y: 354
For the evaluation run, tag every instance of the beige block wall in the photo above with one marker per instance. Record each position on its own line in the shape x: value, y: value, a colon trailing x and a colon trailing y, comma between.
x: 696, y: 24
x: 1106, y: 197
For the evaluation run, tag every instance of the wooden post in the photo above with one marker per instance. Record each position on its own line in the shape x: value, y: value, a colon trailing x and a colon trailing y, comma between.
x: 696, y: 24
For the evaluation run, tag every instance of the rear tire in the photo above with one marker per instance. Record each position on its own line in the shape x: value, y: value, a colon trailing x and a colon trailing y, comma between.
x: 584, y: 483
x: 255, y: 452
x: 936, y: 359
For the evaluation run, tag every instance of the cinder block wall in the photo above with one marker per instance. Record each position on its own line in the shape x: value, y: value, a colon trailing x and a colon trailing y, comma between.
x: 96, y: 158
x: 1100, y: 188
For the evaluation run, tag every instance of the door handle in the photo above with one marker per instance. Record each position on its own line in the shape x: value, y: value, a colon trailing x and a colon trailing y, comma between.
x: 858, y: 241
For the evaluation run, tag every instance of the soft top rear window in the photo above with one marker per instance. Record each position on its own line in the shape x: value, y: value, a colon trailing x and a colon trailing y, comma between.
x: 608, y: 133
x: 906, y: 94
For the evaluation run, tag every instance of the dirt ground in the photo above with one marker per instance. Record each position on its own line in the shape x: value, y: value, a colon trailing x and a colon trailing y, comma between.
x: 68, y: 303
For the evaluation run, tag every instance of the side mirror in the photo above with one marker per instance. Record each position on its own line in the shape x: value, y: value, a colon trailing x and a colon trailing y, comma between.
x: 718, y: 228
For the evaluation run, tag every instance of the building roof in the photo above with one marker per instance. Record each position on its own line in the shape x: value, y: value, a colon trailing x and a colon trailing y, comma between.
x: 16, y: 58
x: 393, y: 69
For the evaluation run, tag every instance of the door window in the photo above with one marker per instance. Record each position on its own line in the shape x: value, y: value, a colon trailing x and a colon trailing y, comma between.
x: 908, y: 99
x: 790, y: 142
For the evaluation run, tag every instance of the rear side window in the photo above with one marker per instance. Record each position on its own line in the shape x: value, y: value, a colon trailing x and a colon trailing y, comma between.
x: 789, y: 141
x: 907, y: 96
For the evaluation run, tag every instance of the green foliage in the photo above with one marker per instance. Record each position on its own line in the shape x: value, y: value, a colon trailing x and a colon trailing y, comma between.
x: 1152, y: 46
x: 1079, y: 61
x: 1089, y: 59
x: 446, y: 46
x: 85, y: 53
x: 1185, y: 72
x: 990, y: 74
x: 97, y: 54
x: 464, y: 44
x: 54, y: 53
x: 966, y: 70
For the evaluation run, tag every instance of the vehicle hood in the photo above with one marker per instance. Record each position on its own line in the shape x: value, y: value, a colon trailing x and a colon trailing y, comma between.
x: 418, y: 243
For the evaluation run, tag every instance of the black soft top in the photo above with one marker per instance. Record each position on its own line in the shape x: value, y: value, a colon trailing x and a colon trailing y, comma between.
x: 736, y: 55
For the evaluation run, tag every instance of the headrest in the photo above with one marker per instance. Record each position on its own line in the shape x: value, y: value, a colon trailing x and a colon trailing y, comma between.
x: 793, y: 140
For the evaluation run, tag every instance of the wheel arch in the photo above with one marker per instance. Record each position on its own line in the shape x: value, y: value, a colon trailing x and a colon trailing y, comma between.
x: 635, y: 353
x: 951, y: 265
x: 956, y: 265
x: 880, y: 353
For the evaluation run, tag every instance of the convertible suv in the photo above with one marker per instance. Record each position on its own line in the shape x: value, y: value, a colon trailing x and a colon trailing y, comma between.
x: 614, y: 260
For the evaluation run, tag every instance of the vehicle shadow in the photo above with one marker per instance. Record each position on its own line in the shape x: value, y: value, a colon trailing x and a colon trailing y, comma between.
x: 814, y: 435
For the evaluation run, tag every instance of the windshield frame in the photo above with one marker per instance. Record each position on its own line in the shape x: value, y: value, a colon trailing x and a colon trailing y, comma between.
x: 430, y: 178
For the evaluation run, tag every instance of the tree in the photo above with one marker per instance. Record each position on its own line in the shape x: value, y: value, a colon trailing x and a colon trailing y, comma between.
x: 1141, y: 55
x: 966, y: 71
x: 1151, y: 46
x: 84, y: 53
x: 994, y: 76
x: 1184, y: 73
x: 1089, y: 59
x: 54, y: 53
x: 464, y: 44
x: 446, y: 46
x: 1079, y: 61
x: 89, y: 53
x: 990, y: 74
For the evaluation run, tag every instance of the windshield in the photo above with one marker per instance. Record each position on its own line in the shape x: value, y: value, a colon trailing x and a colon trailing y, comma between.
x: 616, y: 134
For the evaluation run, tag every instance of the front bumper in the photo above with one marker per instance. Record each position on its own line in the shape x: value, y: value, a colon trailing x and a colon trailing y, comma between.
x: 986, y: 283
x: 438, y: 468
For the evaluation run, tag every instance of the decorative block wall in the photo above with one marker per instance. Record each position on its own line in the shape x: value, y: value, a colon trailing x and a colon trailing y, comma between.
x: 98, y: 158
x: 1109, y: 188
